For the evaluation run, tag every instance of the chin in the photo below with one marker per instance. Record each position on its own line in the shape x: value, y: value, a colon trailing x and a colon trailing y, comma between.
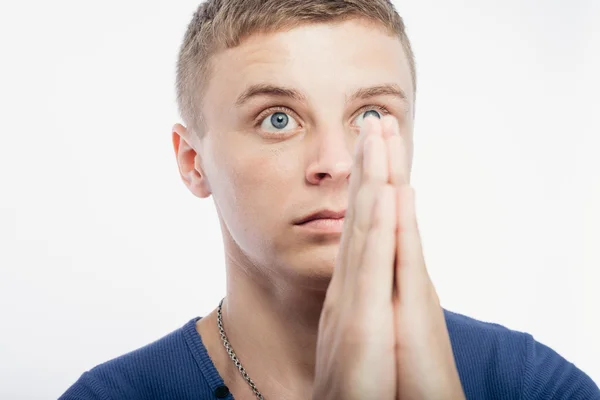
x: 314, y: 260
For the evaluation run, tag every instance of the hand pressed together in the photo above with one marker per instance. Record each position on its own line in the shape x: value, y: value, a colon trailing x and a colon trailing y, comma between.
x: 382, y: 332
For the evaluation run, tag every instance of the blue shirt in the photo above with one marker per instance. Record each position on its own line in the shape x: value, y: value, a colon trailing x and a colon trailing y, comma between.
x: 493, y: 362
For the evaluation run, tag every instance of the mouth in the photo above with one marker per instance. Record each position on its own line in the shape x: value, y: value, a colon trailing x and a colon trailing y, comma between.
x: 323, y: 215
x: 324, y: 223
x: 332, y: 223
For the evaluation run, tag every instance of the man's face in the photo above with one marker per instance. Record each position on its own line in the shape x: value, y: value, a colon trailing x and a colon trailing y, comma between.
x: 272, y: 158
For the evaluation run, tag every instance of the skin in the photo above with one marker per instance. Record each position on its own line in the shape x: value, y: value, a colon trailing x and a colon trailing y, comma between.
x: 262, y: 178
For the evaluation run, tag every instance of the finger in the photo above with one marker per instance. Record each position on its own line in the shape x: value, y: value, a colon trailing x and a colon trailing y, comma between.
x: 375, y: 175
x: 410, y: 269
x: 371, y: 125
x: 374, y: 281
x: 387, y: 127
x: 409, y: 252
x: 397, y: 152
x: 412, y: 278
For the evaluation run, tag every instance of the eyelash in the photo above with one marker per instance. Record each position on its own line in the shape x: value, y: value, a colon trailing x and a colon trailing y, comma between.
x: 273, y: 110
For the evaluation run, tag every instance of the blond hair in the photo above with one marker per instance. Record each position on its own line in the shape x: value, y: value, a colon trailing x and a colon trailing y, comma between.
x: 222, y: 24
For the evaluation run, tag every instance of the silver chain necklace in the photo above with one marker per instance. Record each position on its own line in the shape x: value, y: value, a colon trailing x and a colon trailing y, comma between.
x: 232, y: 354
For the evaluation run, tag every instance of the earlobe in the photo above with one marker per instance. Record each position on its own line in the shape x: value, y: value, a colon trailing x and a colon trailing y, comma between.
x: 189, y: 162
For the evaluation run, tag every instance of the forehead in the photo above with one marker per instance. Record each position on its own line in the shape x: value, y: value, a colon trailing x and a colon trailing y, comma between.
x: 324, y: 60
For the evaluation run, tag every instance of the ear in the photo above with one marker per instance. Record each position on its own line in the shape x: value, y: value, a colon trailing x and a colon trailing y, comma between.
x: 189, y: 162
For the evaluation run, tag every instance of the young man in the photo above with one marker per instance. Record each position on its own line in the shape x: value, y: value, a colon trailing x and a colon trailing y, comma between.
x: 299, y: 122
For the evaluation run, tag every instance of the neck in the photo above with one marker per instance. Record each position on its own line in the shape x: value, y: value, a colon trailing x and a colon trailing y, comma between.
x: 272, y: 326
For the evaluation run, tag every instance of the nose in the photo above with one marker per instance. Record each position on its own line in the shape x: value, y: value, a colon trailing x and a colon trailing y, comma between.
x: 332, y: 158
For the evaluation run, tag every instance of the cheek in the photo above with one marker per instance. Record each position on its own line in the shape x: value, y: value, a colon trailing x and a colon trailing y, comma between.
x: 250, y: 176
x: 258, y: 185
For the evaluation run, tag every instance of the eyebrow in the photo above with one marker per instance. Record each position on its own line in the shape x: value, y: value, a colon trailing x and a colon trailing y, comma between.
x: 262, y: 89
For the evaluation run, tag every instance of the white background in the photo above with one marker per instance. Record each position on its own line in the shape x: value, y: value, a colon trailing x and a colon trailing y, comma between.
x: 103, y: 249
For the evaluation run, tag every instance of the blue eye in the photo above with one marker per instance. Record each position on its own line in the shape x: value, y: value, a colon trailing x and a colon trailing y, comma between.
x: 278, y: 121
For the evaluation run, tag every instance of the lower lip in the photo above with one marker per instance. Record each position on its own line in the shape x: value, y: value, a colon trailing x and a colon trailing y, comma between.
x: 324, y: 225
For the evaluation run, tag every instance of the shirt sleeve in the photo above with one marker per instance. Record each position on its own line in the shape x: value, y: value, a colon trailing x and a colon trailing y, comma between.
x: 550, y: 376
x: 85, y: 388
